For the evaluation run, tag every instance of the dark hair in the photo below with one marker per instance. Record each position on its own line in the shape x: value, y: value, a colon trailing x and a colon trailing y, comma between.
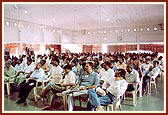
x: 102, y: 64
x: 107, y: 63
x: 122, y: 58
x: 74, y: 61
x: 56, y: 59
x: 147, y: 59
x: 122, y: 72
x: 90, y: 63
x: 83, y: 64
x: 156, y: 62
x: 68, y: 67
x: 29, y: 59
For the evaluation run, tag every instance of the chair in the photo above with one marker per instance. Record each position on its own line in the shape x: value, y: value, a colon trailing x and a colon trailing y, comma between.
x: 10, y: 81
x: 8, y: 86
x: 140, y: 87
x: 134, y: 93
x: 81, y: 98
x: 161, y: 76
x: 64, y: 97
x: 149, y: 86
x: 35, y: 90
x: 116, y: 105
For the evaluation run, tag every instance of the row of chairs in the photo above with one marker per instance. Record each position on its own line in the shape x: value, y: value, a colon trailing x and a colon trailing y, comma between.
x: 111, y: 107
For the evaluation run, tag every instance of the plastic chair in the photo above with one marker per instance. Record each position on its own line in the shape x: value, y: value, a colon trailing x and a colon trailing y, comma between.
x: 116, y: 105
x: 149, y: 86
x: 134, y: 93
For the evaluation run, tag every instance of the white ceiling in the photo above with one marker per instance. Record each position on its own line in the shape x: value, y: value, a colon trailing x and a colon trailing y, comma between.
x: 87, y: 16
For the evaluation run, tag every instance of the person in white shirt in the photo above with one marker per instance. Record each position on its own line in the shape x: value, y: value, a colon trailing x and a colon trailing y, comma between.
x: 145, y: 66
x: 153, y: 73
x: 38, y: 75
x: 121, y: 64
x: 102, y: 73
x: 115, y: 87
x: 55, y: 73
x: 108, y: 72
x: 132, y: 77
x: 27, y: 71
x: 68, y: 82
x: 19, y: 66
x: 29, y: 67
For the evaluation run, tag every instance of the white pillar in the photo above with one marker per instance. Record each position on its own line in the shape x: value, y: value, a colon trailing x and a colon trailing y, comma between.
x: 138, y: 45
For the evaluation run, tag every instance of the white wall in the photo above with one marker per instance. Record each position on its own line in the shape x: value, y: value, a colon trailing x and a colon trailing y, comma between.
x: 74, y: 48
x: 30, y: 36
x: 11, y: 34
x: 50, y: 37
x: 25, y: 35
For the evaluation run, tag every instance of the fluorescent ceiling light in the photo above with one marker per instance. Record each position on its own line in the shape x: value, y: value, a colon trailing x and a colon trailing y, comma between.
x: 29, y: 26
x: 107, y: 19
x: 147, y: 28
x: 141, y: 29
x: 7, y: 23
x: 25, y: 11
x: 15, y: 24
x: 155, y: 28
x: 35, y: 27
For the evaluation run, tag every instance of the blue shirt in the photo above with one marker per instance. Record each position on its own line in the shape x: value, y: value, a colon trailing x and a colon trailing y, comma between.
x: 89, y: 79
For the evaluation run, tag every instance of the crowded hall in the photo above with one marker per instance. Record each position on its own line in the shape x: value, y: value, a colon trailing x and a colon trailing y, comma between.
x: 75, y: 57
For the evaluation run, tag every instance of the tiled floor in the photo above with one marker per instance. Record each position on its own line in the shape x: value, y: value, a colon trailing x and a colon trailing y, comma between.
x: 151, y: 102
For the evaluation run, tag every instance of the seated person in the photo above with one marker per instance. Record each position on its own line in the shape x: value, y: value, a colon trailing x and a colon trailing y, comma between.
x: 132, y: 77
x: 108, y: 72
x: 27, y: 71
x: 121, y: 64
x: 89, y: 79
x: 45, y: 66
x: 9, y: 72
x: 145, y: 66
x: 19, y: 66
x: 69, y: 80
x: 116, y: 87
x: 38, y: 75
x: 55, y: 70
x: 153, y: 73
